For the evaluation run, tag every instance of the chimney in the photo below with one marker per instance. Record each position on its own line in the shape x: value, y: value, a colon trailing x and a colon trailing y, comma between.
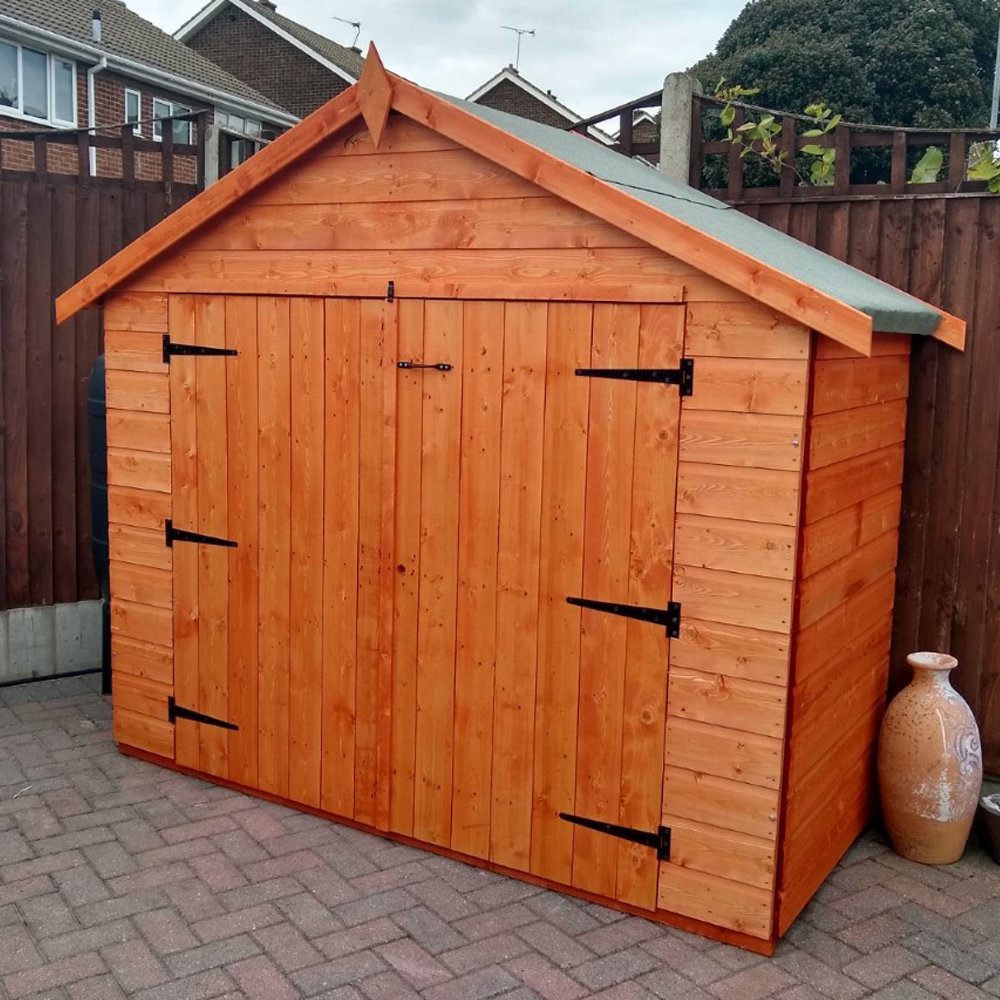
x: 95, y: 26
x: 269, y: 4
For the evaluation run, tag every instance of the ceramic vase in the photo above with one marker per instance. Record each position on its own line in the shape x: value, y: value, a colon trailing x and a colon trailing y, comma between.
x: 930, y: 765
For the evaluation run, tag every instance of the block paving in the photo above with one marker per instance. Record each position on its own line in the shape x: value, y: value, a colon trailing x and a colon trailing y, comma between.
x: 119, y: 879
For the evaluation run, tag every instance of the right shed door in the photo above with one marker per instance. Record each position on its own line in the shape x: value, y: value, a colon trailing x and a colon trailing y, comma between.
x: 519, y: 483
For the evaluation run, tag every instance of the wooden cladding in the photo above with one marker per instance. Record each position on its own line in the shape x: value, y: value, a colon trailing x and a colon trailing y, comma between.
x: 391, y: 634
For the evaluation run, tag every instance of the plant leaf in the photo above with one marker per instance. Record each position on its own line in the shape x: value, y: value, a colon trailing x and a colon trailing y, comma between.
x: 928, y: 167
x: 813, y: 150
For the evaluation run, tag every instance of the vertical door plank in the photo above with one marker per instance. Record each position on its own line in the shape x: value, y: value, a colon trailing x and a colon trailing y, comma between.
x: 378, y: 339
x: 241, y: 373
x: 409, y: 429
x: 184, y: 485
x: 561, y: 575
x: 654, y: 485
x: 387, y: 570
x: 478, y: 519
x: 438, y: 573
x: 306, y: 322
x: 213, y: 519
x: 340, y: 546
x: 274, y: 469
x: 605, y: 578
x: 517, y: 581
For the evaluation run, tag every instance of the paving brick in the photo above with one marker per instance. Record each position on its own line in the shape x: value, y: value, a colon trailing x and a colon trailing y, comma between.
x: 328, y: 976
x: 475, y: 986
x: 202, y: 986
x: 97, y: 988
x: 358, y: 937
x: 134, y: 965
x: 259, y: 825
x: 52, y: 974
x: 197, y: 829
x: 752, y: 984
x: 416, y: 966
x: 194, y: 900
x: 217, y: 871
x: 66, y: 802
x: 240, y: 847
x: 88, y: 939
x: 487, y: 951
x: 110, y: 859
x: 389, y: 878
x: 211, y: 956
x: 935, y: 899
x: 308, y: 914
x: 150, y: 878
x: 876, y: 932
x: 668, y: 985
x: 620, y: 934
x: 44, y: 865
x: 17, y: 950
x: 884, y: 966
x: 564, y: 912
x: 388, y: 986
x: 949, y: 957
x: 259, y: 979
x: 288, y: 864
x: 867, y: 902
x: 370, y: 907
x: 80, y: 885
x: 165, y: 931
x: 255, y: 893
x: 287, y: 947
x: 121, y: 906
x: 554, y: 944
x: 945, y: 984
x: 610, y: 970
x: 445, y: 901
x: 48, y: 915
x: 328, y: 886
x: 904, y: 990
x: 820, y: 976
x: 242, y: 921
x: 685, y: 958
x: 136, y: 836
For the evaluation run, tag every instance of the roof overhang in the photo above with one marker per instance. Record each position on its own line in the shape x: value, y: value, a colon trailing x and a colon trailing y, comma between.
x: 62, y: 45
x: 192, y: 25
x: 378, y: 92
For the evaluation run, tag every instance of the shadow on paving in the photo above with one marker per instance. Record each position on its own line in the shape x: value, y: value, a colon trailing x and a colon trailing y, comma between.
x: 122, y: 879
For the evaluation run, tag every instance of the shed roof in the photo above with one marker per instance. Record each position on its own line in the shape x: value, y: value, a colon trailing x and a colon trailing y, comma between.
x: 831, y: 297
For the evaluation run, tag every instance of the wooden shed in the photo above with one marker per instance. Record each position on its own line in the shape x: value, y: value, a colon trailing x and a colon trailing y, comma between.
x: 478, y: 486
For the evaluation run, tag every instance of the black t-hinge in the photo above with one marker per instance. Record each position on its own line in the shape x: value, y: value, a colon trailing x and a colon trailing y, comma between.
x: 669, y: 618
x: 658, y: 839
x: 180, y: 535
x: 175, y: 712
x: 683, y: 377
x: 171, y: 350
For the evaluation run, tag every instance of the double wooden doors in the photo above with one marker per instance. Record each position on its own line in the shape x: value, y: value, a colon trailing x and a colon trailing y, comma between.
x: 414, y: 489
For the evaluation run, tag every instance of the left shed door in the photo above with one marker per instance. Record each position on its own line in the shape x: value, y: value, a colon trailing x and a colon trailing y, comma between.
x: 213, y: 400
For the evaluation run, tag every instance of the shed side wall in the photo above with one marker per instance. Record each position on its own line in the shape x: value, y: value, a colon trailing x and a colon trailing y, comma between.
x: 845, y: 592
x: 139, y: 502
x: 739, y: 483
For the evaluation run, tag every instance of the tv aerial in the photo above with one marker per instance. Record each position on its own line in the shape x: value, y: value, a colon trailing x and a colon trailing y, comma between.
x: 519, y: 32
x: 356, y: 25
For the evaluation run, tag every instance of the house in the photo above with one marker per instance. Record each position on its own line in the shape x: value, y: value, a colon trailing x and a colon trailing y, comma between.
x: 517, y: 501
x: 511, y: 92
x: 80, y: 63
x: 296, y: 68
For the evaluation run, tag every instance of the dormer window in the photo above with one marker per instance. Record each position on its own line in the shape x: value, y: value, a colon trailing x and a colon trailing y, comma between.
x: 37, y: 85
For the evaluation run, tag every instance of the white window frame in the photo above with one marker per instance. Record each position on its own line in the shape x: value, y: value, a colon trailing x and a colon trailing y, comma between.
x: 174, y: 109
x: 50, y: 60
x: 225, y: 113
x: 129, y: 91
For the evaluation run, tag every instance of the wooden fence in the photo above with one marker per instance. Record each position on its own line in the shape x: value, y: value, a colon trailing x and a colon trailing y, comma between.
x: 53, y: 231
x: 945, y: 250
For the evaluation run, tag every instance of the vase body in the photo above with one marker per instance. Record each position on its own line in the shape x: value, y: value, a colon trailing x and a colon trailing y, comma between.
x: 930, y: 765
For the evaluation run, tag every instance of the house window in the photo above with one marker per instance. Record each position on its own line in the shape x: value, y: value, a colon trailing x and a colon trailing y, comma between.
x: 37, y: 85
x: 133, y: 110
x: 183, y: 131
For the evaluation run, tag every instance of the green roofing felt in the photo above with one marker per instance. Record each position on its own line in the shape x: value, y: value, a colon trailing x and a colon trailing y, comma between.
x: 891, y: 310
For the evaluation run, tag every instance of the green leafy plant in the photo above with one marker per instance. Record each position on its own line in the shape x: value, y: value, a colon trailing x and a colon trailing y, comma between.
x: 984, y: 164
x: 760, y: 136
x: 928, y: 168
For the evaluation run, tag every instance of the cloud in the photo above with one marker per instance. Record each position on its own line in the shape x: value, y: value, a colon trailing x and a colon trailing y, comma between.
x: 593, y: 54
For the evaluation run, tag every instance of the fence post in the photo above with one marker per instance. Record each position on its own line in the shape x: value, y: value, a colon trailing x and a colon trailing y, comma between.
x: 679, y: 90
x: 213, y: 154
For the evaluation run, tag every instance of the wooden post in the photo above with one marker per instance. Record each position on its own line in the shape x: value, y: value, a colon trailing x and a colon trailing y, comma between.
x: 956, y: 161
x: 128, y: 153
x: 41, y: 158
x: 842, y: 163
x: 167, y: 153
x: 625, y: 133
x: 695, y: 142
x: 83, y: 155
x: 679, y: 90
x: 786, y: 180
x: 897, y: 182
x: 735, y: 184
x: 201, y: 125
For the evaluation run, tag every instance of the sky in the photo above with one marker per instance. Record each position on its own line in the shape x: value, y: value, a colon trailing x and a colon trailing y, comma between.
x: 592, y: 54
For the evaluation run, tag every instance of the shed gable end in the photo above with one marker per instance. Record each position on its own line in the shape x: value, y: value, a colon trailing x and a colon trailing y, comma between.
x: 428, y: 214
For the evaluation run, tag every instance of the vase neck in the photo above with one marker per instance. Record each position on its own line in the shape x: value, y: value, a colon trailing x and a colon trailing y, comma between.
x: 932, y: 677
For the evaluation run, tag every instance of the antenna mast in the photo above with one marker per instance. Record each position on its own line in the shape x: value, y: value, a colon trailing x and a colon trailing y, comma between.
x: 519, y: 32
x: 356, y: 25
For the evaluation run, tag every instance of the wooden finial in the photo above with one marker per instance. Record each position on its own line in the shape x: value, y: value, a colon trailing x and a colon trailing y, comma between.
x: 375, y: 94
